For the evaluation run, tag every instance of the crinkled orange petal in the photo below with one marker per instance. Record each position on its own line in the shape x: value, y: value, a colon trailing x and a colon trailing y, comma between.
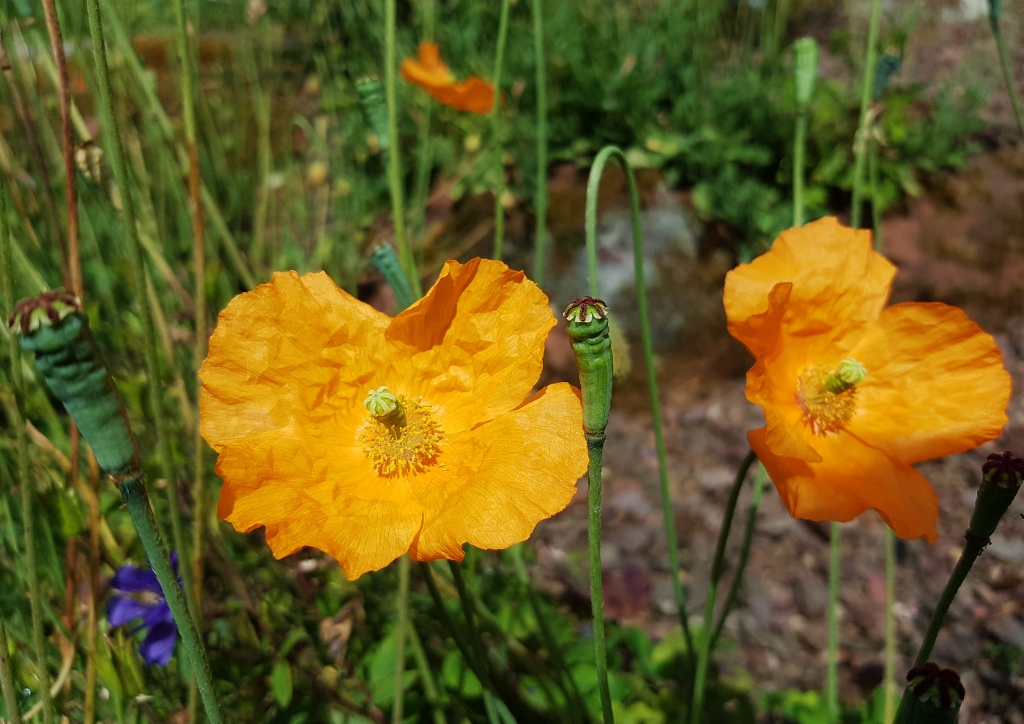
x: 430, y: 73
x: 852, y: 477
x: 839, y: 287
x: 498, y: 480
x: 936, y: 384
x: 474, y: 345
x: 313, y: 488
x: 296, y: 350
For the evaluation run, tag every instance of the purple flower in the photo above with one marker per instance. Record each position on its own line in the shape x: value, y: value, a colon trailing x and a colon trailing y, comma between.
x: 139, y: 596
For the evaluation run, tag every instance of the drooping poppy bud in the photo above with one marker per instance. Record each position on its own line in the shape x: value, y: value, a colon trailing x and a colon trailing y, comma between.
x: 933, y: 696
x: 592, y: 346
x: 53, y: 327
x: 1001, y: 477
x: 805, y: 70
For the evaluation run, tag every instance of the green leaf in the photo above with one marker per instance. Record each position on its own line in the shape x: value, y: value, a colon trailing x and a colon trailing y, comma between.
x: 281, y: 682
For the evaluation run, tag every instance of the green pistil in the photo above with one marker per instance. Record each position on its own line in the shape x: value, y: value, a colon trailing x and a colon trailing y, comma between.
x: 386, y: 408
x: 849, y: 373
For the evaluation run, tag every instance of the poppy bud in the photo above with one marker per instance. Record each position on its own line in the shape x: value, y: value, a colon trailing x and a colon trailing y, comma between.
x: 53, y: 327
x: 805, y: 70
x: 1001, y: 477
x: 933, y: 696
x: 387, y: 263
x: 592, y: 346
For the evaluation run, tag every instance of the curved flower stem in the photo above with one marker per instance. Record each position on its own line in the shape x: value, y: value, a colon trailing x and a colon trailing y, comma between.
x: 760, y: 479
x: 6, y: 682
x: 994, y: 13
x: 717, y: 569
x: 540, y: 198
x: 499, y: 165
x: 17, y: 421
x: 427, y: 676
x: 861, y: 139
x: 401, y: 630
x: 889, y: 679
x: 593, y: 185
x: 394, y: 157
x: 832, y: 656
x: 120, y: 168
x: 133, y: 490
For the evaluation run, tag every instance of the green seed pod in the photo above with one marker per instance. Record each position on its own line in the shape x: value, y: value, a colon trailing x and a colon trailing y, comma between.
x: 53, y: 327
x: 386, y: 261
x: 371, y: 97
x: 1001, y: 478
x: 592, y: 346
x: 805, y: 70
x: 933, y: 696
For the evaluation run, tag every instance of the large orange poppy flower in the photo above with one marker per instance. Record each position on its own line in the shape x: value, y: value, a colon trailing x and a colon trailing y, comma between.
x: 855, y: 392
x: 341, y: 428
x: 431, y: 74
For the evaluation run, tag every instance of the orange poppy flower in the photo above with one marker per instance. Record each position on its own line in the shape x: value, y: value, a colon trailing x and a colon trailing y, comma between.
x: 855, y: 392
x: 431, y: 74
x: 341, y: 428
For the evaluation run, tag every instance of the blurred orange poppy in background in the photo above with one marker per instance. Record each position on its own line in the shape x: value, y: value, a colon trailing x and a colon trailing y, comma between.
x: 341, y: 428
x: 854, y: 392
x: 431, y: 74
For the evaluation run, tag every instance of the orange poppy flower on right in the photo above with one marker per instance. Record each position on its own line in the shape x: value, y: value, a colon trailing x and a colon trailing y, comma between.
x: 431, y: 74
x: 854, y: 392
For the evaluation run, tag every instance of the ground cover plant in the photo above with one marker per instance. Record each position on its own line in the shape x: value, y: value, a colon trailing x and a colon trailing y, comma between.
x: 278, y: 429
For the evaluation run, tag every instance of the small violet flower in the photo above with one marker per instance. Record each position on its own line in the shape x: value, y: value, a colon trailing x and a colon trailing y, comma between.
x: 139, y: 596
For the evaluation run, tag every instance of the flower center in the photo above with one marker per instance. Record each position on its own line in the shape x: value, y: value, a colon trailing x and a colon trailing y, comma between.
x: 401, y: 436
x: 829, y: 396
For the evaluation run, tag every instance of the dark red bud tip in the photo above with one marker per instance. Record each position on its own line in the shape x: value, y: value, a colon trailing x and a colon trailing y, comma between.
x: 46, y: 309
x: 585, y: 309
x: 941, y: 686
x: 1004, y: 469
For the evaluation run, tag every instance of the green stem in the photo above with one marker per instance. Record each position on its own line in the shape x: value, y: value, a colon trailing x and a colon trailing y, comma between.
x: 133, y: 490
x: 889, y: 680
x: 466, y: 599
x: 421, y: 190
x: 426, y: 676
x: 717, y: 569
x: 799, y: 152
x: 760, y: 480
x: 394, y: 157
x: 832, y: 656
x: 590, y: 225
x: 120, y: 167
x: 499, y: 165
x: 446, y: 620
x: 401, y: 629
x: 1004, y: 61
x: 876, y: 206
x: 17, y: 421
x: 6, y: 682
x: 595, y: 448
x: 860, y: 141
x: 540, y: 198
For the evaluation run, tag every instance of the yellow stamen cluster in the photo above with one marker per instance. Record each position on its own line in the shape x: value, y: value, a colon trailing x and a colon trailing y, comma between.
x: 401, y: 449
x: 828, y: 396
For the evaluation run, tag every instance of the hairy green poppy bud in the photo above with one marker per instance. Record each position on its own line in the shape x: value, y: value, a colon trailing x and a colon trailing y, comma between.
x: 592, y: 346
x: 371, y: 98
x: 1001, y: 477
x: 387, y: 263
x: 53, y: 327
x: 805, y: 70
x: 933, y: 696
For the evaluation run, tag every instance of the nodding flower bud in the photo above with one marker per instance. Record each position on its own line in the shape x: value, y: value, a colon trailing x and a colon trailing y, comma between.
x: 592, y: 346
x: 805, y: 70
x: 1001, y: 477
x: 933, y: 696
x: 52, y: 327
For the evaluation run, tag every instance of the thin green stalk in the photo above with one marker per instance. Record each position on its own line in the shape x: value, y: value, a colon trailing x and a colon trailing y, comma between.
x: 760, y: 481
x: 590, y: 225
x: 889, y: 680
x: 466, y: 599
x: 6, y: 682
x: 861, y: 140
x: 717, y: 569
x: 133, y: 490
x: 799, y: 152
x: 426, y: 676
x: 394, y: 155
x: 401, y: 631
x: 17, y: 422
x: 595, y: 448
x: 968, y: 556
x: 540, y: 198
x: 995, y: 10
x: 120, y: 167
x: 876, y: 206
x: 425, y: 160
x: 832, y: 657
x: 446, y: 620
x: 499, y: 163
